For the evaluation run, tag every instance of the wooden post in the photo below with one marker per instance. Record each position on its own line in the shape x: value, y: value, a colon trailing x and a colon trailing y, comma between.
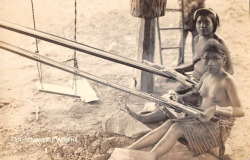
x: 147, y: 10
x: 145, y: 51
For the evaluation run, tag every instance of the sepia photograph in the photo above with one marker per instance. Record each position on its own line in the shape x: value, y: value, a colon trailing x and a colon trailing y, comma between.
x: 124, y: 80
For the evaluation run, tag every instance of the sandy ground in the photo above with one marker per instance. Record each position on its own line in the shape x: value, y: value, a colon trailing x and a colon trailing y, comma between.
x: 100, y: 23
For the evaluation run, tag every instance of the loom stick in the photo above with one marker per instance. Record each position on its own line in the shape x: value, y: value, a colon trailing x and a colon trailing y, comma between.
x: 166, y: 102
x: 82, y: 48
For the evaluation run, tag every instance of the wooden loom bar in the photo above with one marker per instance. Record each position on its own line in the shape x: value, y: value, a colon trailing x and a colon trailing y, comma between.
x: 66, y: 68
x: 81, y: 47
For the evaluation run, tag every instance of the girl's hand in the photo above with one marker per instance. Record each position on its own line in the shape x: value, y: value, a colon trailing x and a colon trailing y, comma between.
x: 209, y: 113
x: 179, y: 99
x: 224, y: 111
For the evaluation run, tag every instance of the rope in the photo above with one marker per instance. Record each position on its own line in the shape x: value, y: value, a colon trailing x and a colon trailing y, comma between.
x: 74, y: 56
x: 75, y: 60
x: 39, y: 66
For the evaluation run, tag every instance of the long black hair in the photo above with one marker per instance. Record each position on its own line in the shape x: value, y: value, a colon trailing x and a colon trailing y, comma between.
x: 210, y: 13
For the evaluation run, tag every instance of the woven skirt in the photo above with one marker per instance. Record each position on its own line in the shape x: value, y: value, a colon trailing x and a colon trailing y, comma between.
x: 202, y: 136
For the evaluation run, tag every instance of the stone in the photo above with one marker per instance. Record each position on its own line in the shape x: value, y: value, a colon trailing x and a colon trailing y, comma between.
x: 98, y: 134
x: 91, y: 149
x: 105, y: 146
x: 215, y: 151
x: 96, y: 144
x: 71, y: 150
x: 58, y: 150
x: 98, y: 151
x: 110, y: 151
x: 92, y: 136
x: 45, y: 156
x: 88, y: 154
x: 112, y: 140
x: 127, y: 154
x: 59, y: 155
x: 121, y: 142
x: 205, y: 156
x: 79, y: 151
x: 87, y: 141
x: 83, y: 153
x: 228, y: 150
x: 100, y: 157
x: 122, y: 123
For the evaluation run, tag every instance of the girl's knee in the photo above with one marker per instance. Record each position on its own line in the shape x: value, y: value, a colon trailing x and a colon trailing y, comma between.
x: 175, y: 130
x: 167, y: 123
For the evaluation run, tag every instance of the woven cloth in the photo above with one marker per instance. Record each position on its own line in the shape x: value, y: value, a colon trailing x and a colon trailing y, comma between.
x: 202, y: 136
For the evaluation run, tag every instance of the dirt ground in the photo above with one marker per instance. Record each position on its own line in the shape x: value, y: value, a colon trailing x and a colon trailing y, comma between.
x: 101, y: 24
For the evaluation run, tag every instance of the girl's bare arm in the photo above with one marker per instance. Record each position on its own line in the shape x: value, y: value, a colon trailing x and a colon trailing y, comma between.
x: 186, y: 68
x: 228, y: 65
x: 189, y: 67
x: 193, y: 93
x: 235, y: 110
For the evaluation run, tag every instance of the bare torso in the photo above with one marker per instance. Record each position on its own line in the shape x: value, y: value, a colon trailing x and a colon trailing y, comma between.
x: 199, y: 68
x: 214, y: 92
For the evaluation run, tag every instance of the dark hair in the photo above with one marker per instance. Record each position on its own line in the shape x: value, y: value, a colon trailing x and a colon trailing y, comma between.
x: 210, y: 13
x: 213, y: 45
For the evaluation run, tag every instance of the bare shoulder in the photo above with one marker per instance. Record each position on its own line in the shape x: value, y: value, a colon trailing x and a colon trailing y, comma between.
x: 196, y: 39
x: 219, y: 39
x: 204, y: 76
x: 229, y: 80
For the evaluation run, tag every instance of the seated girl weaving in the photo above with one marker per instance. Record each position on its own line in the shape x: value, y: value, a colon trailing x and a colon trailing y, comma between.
x: 220, y: 99
x: 206, y: 21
